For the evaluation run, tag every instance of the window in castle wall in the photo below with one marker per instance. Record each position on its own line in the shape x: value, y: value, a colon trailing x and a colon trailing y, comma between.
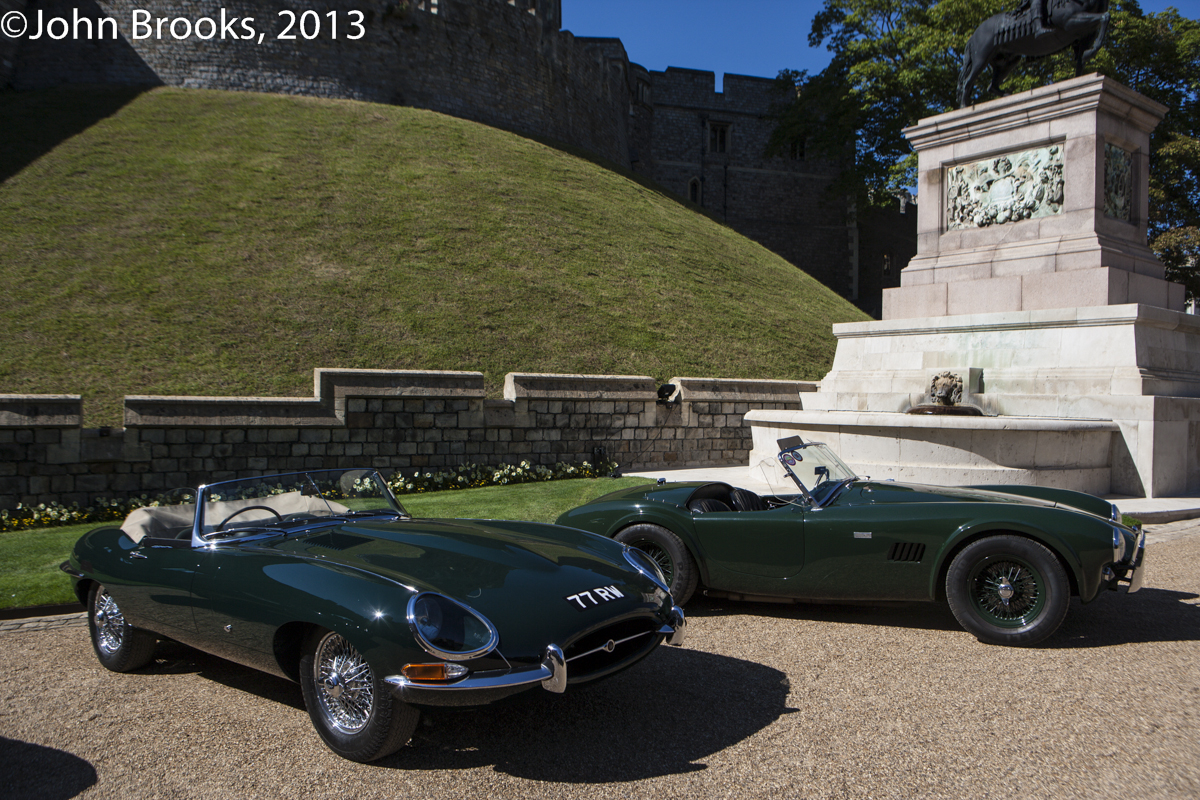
x: 797, y: 150
x: 427, y: 5
x: 887, y: 263
x: 643, y: 92
x: 694, y: 190
x: 718, y: 137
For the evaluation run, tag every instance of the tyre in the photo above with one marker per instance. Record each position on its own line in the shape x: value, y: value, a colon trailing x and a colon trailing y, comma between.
x: 1008, y: 590
x: 669, y: 552
x: 119, y: 646
x: 350, y: 705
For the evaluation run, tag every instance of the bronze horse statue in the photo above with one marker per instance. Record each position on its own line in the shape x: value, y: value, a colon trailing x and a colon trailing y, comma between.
x: 1003, y: 39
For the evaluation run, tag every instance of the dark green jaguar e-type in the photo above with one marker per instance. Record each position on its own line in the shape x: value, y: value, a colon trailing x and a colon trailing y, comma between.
x: 1006, y: 558
x: 323, y: 578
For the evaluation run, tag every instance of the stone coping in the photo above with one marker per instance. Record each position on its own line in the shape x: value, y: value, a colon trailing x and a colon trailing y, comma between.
x: 1081, y: 317
x: 884, y: 419
x: 41, y: 410
x: 540, y: 385
x: 738, y: 389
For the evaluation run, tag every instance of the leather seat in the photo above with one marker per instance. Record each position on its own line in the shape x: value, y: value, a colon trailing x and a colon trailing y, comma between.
x: 707, y: 505
x: 746, y: 500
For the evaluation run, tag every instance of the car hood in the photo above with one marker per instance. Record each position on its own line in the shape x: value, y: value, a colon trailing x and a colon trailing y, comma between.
x: 882, y: 492
x: 511, y: 572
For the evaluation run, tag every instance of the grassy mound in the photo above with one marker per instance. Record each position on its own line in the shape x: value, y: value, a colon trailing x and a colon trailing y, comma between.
x: 216, y: 243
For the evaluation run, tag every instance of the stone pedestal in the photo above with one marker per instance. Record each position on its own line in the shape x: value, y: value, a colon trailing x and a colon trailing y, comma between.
x: 1034, y: 286
x: 1038, y: 200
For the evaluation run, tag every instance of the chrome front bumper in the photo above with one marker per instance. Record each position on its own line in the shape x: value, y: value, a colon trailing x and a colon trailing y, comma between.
x: 1138, y: 574
x: 1133, y: 570
x: 494, y: 684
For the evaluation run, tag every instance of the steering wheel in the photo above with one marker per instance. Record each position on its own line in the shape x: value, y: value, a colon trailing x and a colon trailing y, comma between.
x: 278, y: 516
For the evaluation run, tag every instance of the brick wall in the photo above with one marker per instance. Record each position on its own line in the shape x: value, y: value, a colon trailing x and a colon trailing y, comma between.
x: 395, y: 421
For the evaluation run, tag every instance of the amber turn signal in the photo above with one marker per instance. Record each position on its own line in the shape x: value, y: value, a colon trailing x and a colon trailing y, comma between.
x: 442, y: 671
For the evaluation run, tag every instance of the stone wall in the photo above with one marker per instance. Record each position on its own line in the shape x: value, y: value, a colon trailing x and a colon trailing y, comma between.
x: 395, y: 421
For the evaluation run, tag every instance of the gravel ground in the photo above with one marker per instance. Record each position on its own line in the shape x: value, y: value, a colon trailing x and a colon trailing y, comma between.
x: 789, y: 701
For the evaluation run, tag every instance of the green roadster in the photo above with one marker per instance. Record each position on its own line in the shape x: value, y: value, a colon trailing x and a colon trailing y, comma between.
x: 323, y: 578
x: 1006, y: 558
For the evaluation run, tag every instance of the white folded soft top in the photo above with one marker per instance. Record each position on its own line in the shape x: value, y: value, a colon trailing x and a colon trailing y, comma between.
x: 169, y: 521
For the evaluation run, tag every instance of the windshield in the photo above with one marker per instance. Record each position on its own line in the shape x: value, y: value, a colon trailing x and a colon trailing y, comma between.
x: 816, y: 470
x: 278, y: 501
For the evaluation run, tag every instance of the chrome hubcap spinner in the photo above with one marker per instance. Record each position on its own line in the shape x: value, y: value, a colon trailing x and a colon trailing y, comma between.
x: 110, y: 623
x: 345, y: 686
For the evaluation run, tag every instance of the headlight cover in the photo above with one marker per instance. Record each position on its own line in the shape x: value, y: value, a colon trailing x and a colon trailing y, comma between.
x: 645, y: 565
x: 448, y: 629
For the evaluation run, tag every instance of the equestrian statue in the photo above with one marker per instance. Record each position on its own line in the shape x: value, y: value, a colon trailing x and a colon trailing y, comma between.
x: 1035, y: 29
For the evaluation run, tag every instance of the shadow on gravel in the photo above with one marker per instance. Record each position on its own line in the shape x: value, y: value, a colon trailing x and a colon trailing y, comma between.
x: 172, y: 658
x: 661, y: 717
x: 927, y: 616
x: 1114, y: 618
x: 32, y: 771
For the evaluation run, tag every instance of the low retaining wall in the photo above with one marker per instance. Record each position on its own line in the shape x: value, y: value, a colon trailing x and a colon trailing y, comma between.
x: 392, y: 420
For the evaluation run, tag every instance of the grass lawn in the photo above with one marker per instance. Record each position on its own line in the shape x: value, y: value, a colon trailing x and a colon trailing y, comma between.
x: 187, y: 242
x: 29, y: 574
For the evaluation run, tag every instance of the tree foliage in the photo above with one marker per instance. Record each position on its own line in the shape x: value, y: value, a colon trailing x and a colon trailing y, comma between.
x: 896, y: 61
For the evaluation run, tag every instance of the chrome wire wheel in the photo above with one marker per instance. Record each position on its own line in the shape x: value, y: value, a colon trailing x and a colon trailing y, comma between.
x: 1008, y: 593
x: 344, y: 684
x: 110, y: 623
x: 659, y: 555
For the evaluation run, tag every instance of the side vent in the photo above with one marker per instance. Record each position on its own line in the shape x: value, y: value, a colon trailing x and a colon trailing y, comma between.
x: 906, y: 551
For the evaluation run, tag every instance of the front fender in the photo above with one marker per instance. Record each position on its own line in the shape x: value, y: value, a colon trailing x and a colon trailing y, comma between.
x: 971, y: 531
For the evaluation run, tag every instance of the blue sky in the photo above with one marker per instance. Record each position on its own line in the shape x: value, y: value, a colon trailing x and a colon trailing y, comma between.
x: 746, y: 37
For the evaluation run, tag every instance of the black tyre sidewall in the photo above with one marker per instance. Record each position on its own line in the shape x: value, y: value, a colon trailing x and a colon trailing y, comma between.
x: 391, y: 722
x: 1055, y: 583
x: 137, y: 646
x: 683, y: 582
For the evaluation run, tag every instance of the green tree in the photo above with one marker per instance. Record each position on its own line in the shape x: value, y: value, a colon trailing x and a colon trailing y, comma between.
x: 896, y: 61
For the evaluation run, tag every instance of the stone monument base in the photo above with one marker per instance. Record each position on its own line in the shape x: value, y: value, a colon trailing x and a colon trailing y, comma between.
x: 1128, y: 373
x: 1062, y: 453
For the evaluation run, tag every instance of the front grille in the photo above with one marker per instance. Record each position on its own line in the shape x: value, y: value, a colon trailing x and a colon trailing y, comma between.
x: 906, y: 551
x: 590, y: 654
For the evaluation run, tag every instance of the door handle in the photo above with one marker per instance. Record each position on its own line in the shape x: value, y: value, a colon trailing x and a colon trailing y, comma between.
x: 138, y: 554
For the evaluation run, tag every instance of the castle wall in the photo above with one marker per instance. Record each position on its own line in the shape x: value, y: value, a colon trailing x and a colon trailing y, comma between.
x: 502, y: 64
x: 390, y: 420
x: 780, y: 202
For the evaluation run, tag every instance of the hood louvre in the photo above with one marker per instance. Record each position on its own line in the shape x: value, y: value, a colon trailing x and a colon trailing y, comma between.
x: 336, y: 540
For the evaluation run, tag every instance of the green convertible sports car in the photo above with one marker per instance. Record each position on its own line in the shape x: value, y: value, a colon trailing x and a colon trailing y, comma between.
x: 1006, y: 559
x: 323, y: 578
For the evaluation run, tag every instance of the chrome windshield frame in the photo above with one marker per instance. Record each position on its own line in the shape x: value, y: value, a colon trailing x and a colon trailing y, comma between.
x: 205, y: 491
x: 793, y: 452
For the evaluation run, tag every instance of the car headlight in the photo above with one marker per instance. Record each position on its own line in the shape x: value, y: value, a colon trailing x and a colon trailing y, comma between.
x: 448, y: 629
x: 1118, y: 545
x: 645, y: 565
